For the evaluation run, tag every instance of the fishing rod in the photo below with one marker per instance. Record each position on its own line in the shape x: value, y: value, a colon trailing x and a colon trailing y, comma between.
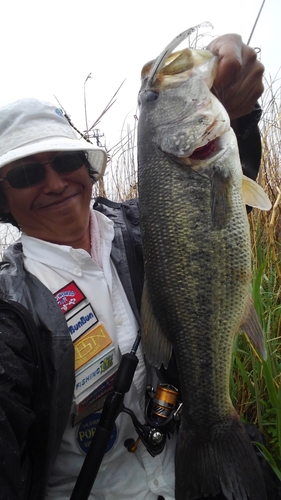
x: 255, y: 23
x: 111, y: 409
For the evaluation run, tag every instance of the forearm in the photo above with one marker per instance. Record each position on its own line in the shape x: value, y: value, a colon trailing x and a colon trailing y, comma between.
x: 249, y: 141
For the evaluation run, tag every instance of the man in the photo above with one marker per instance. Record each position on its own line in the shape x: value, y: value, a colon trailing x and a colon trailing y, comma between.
x: 69, y: 306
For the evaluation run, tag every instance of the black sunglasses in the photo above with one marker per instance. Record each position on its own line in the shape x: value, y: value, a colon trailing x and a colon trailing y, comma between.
x: 29, y: 174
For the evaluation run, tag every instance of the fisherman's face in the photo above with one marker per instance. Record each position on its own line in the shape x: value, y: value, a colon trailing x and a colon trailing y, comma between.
x: 57, y: 208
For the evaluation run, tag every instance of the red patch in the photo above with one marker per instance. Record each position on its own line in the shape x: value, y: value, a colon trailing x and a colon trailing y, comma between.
x: 204, y: 151
x: 69, y: 296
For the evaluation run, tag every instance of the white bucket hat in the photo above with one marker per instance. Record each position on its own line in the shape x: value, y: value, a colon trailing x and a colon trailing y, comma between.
x: 29, y: 126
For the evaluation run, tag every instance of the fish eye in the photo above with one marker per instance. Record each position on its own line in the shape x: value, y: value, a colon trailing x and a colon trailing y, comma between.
x: 151, y: 96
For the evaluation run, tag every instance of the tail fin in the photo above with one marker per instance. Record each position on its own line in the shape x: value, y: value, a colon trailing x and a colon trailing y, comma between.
x: 224, y: 465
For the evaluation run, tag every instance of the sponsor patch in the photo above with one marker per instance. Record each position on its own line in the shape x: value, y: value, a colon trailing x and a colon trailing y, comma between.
x: 100, y: 391
x: 94, y: 401
x: 69, y: 296
x: 86, y: 432
x: 81, y: 321
x: 97, y: 405
x: 90, y: 345
x: 91, y: 374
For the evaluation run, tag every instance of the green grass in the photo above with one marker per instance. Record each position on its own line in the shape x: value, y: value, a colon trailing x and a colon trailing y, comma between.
x: 255, y: 384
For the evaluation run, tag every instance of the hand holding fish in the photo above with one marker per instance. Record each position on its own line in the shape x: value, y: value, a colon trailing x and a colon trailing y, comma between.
x: 238, y: 83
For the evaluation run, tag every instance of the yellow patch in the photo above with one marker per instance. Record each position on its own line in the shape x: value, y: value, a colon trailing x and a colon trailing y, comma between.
x: 91, y: 344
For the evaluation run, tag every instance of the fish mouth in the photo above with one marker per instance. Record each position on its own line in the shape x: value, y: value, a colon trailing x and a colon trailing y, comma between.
x: 204, y: 152
x: 204, y: 155
x: 193, y: 136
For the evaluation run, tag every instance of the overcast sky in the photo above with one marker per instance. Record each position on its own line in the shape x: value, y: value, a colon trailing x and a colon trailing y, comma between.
x: 49, y: 47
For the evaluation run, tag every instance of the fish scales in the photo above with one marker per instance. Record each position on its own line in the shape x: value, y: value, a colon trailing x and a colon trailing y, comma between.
x: 197, y: 273
x: 197, y: 293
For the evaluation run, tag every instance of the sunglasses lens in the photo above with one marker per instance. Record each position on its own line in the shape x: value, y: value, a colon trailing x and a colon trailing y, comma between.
x: 28, y: 175
x: 68, y: 162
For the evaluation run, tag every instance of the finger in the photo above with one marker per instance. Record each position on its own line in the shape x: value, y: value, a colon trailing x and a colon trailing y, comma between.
x: 233, y: 70
x: 228, y: 48
x: 240, y: 96
x: 244, y: 93
x: 238, y: 83
x: 239, y: 108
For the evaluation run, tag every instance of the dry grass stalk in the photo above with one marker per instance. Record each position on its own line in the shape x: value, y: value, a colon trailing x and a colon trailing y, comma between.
x: 272, y: 225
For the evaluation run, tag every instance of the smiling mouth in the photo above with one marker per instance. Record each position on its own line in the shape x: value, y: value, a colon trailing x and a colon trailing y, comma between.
x: 57, y: 203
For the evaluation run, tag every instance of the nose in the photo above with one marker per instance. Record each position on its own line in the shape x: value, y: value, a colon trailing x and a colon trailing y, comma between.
x: 53, y: 182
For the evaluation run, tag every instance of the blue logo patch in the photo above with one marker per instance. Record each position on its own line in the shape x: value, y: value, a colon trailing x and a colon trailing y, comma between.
x: 59, y: 111
x: 86, y: 432
x: 81, y: 321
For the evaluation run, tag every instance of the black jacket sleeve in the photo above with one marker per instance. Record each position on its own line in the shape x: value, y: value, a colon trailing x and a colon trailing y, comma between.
x: 249, y: 142
x: 19, y: 385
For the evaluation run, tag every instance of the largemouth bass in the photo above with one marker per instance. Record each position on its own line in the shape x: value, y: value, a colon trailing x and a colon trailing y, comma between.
x: 197, y: 266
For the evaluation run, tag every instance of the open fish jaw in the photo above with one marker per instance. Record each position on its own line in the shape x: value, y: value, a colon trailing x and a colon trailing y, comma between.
x: 187, y: 115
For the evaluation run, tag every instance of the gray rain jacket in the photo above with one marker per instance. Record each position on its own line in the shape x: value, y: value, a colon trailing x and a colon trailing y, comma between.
x: 37, y: 359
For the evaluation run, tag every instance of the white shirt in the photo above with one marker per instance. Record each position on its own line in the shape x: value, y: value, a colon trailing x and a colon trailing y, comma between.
x: 122, y: 475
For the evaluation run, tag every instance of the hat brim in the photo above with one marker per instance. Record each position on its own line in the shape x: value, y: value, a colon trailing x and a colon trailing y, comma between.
x: 97, y: 156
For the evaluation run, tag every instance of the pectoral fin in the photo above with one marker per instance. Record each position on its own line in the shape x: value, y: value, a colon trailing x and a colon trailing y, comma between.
x: 156, y: 346
x: 254, y: 195
x: 252, y: 327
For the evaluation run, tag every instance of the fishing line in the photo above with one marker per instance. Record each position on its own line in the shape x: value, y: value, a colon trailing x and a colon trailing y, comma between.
x: 255, y: 23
